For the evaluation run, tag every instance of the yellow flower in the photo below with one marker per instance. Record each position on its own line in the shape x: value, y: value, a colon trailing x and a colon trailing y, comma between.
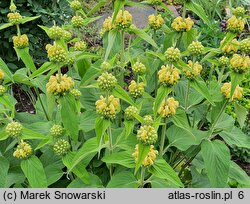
x: 130, y: 112
x: 56, y: 130
x: 139, y: 68
x: 149, y: 159
x: 240, y: 63
x: 61, y: 147
x: 107, y: 81
x: 75, y: 5
x: 56, y: 53
x: 123, y: 19
x: 226, y: 90
x: 77, y: 21
x: 80, y: 46
x: 147, y: 134
x: 196, y: 48
x: 21, y: 41
x: 235, y: 25
x: 245, y: 45
x: 14, y: 129
x: 239, y: 11
x: 2, y: 90
x: 230, y: 47
x: 107, y: 107
x: 136, y: 89
x: 76, y: 93
x: 168, y: 75
x: 23, y: 150
x: 168, y: 107
x: 192, y: 70
x: 55, y: 32
x: 155, y: 22
x: 172, y: 54
x: 223, y: 60
x: 59, y: 85
x: 14, y: 18
x: 1, y: 74
x: 180, y: 24
x: 107, y: 24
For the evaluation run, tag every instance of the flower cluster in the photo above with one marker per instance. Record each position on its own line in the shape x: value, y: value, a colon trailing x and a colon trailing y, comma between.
x: 180, y: 24
x: 107, y: 107
x: 123, y: 19
x: 107, y: 24
x: 172, y: 54
x: 80, y: 46
x: 148, y: 120
x: 139, y: 68
x: 77, y: 21
x: 168, y: 75
x: 149, y: 159
x: 245, y: 46
x: 2, y: 90
x: 107, y: 81
x: 56, y: 130
x: 230, y: 47
x: 55, y: 32
x: 1, y: 74
x: 195, y: 48
x: 14, y: 18
x: 56, y: 53
x: 75, y: 5
x: 240, y: 63
x: 59, y: 84
x: 147, y: 134
x: 223, y: 60
x: 235, y: 25
x: 23, y: 150
x: 105, y: 66
x: 136, y: 89
x: 61, y: 147
x: 76, y: 93
x: 239, y: 11
x: 66, y: 35
x: 20, y: 41
x: 192, y: 70
x: 14, y: 129
x: 155, y: 22
x: 226, y: 91
x: 130, y: 112
x: 168, y: 107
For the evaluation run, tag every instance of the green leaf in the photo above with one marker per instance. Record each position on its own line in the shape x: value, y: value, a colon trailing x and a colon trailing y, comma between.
x: 95, y: 182
x: 199, y: 11
x: 143, y: 151
x: 236, y: 137
x: 237, y: 173
x: 123, y: 179
x: 34, y: 172
x: 161, y: 183
x: 118, y: 5
x: 119, y: 92
x: 162, y: 92
x: 5, y: 25
x: 4, y: 164
x: 28, y: 134
x: 26, y: 58
x: 241, y: 114
x: 143, y: 35
x: 100, y: 4
x: 201, y: 87
x: 27, y: 19
x: 129, y: 126
x: 53, y: 173
x: 163, y: 170
x: 122, y: 158
x: 6, y: 70
x: 44, y: 68
x: 236, y: 79
x: 101, y: 126
x: 216, y: 156
x: 229, y: 37
x: 70, y: 117
x: 111, y: 39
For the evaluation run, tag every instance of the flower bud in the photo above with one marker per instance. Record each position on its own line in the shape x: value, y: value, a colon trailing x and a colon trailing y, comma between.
x: 155, y: 22
x: 107, y: 24
x: 61, y: 147
x: 239, y: 11
x: 56, y: 53
x: 168, y: 75
x: 245, y: 46
x: 77, y: 21
x: 107, y: 81
x: 226, y: 90
x: 130, y: 112
x: 23, y: 150
x: 223, y: 61
x: 76, y: 93
x: 136, y: 89
x: 195, y: 48
x: 66, y: 35
x: 55, y: 32
x: 147, y: 134
x: 148, y: 120
x: 123, y: 19
x: 14, y: 18
x: 14, y: 129
x: 192, y: 70
x: 2, y: 90
x: 56, y: 130
x: 80, y: 46
x: 235, y: 25
x: 105, y: 66
x: 75, y: 5
x: 230, y: 47
x: 154, y: 2
x: 139, y: 68
x: 240, y: 63
x: 180, y: 24
x: 12, y: 7
x: 1, y: 74
x: 21, y: 41
x: 149, y: 159
x: 173, y: 54
x: 70, y: 61
x: 168, y: 107
x: 59, y: 84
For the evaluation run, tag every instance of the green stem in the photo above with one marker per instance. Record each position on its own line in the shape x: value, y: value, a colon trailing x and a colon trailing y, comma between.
x: 163, y: 135
x: 18, y: 30
x: 186, y: 96
x: 110, y: 149
x: 221, y: 74
x: 40, y: 100
x: 142, y: 176
x: 184, y: 11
